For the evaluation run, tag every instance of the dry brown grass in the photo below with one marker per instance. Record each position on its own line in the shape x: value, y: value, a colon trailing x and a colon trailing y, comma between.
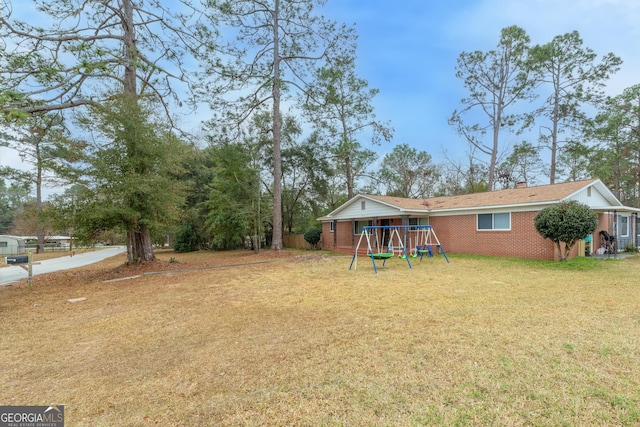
x: 304, y: 341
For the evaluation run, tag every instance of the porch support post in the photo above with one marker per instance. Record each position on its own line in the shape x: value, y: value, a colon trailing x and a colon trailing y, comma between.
x: 376, y: 239
x: 615, y: 231
x: 635, y: 230
x: 405, y: 231
x: 353, y: 232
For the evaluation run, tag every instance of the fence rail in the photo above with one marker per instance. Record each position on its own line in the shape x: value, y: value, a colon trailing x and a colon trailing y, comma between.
x: 18, y: 250
x: 296, y: 241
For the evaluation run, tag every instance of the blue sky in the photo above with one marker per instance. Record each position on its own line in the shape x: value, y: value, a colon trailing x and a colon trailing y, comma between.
x: 408, y: 50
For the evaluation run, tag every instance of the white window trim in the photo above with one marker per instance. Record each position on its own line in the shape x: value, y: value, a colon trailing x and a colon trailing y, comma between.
x: 623, y: 233
x: 493, y: 221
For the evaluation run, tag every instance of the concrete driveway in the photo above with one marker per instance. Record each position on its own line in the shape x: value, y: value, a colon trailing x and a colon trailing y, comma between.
x: 15, y: 273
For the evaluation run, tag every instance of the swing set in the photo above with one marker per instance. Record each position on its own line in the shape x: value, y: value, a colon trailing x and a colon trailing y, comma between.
x: 423, y: 236
x: 425, y: 241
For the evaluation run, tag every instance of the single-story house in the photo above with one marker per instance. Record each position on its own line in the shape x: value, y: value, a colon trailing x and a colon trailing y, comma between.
x: 496, y: 223
x: 49, y: 241
x: 12, y: 245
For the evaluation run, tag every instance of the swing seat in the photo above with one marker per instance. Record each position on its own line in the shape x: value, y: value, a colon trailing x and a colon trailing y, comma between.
x: 425, y: 250
x: 384, y: 255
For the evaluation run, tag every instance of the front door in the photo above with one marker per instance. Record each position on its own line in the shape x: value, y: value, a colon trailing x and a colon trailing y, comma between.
x: 386, y: 233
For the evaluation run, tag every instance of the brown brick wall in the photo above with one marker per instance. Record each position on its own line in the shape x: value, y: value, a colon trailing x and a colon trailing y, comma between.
x: 343, y: 235
x: 458, y: 235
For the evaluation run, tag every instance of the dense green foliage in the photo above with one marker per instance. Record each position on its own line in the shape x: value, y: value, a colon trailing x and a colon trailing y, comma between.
x: 130, y: 173
x: 12, y: 202
x: 312, y: 236
x: 566, y: 222
x: 407, y: 172
x: 187, y: 239
x: 234, y: 199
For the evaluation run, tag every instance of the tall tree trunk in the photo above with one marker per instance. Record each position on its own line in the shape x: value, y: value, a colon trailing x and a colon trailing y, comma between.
x: 554, y: 133
x: 494, y: 155
x: 38, y: 135
x: 276, y: 243
x: 348, y: 166
x: 144, y: 244
x: 130, y: 53
x: 139, y: 246
x: 39, y: 226
x: 349, y: 174
x: 131, y: 256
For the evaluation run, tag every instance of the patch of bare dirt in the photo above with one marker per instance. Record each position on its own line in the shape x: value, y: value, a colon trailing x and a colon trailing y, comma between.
x: 308, y: 258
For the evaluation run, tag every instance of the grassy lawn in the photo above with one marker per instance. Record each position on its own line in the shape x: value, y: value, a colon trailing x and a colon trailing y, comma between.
x: 298, y: 339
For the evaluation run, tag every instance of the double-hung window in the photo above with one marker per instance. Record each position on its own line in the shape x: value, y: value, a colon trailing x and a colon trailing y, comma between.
x: 360, y: 225
x: 419, y: 221
x: 623, y: 225
x: 494, y: 221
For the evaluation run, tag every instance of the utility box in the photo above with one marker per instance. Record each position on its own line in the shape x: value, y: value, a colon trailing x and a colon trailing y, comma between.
x: 17, y: 259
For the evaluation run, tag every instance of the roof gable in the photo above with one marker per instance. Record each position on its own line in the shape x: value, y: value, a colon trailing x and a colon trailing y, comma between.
x: 364, y: 206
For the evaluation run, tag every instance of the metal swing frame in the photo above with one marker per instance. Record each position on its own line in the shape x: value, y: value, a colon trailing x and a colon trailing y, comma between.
x: 427, y: 237
x: 366, y: 234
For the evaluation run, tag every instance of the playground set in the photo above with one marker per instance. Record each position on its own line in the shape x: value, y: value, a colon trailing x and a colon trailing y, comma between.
x: 421, y: 239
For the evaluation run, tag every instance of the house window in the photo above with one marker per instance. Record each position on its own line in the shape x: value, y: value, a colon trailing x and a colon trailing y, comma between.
x: 360, y: 225
x: 332, y: 226
x: 623, y: 225
x: 363, y: 205
x: 4, y: 244
x: 501, y: 221
x: 419, y: 221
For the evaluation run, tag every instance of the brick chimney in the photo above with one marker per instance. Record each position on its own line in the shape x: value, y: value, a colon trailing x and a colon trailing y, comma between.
x: 522, y: 184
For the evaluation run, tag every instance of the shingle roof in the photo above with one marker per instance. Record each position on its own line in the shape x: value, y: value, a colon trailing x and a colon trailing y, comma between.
x: 516, y: 196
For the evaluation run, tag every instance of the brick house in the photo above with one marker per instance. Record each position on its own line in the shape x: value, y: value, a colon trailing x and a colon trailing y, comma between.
x: 496, y: 223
